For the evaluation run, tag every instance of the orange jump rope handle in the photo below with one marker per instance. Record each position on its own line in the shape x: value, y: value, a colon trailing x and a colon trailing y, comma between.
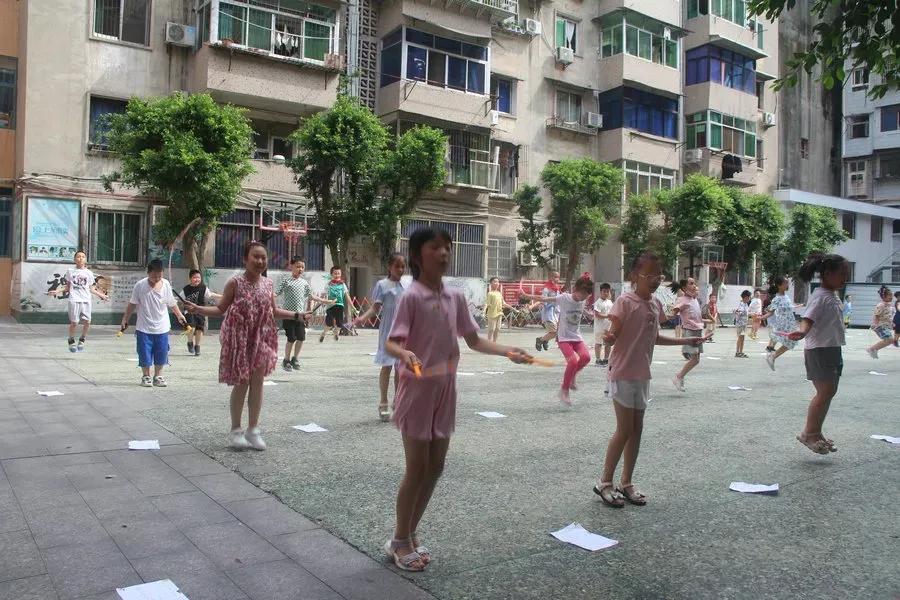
x: 417, y: 369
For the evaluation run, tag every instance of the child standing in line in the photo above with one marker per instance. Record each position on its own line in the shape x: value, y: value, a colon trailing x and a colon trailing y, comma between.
x: 298, y: 297
x: 784, y: 320
x: 339, y: 296
x: 710, y: 317
x: 249, y: 339
x: 636, y: 317
x: 197, y: 293
x: 549, y: 311
x: 152, y: 297
x: 882, y: 322
x: 602, y: 306
x: 823, y: 329
x: 755, y: 314
x: 688, y: 308
x: 741, y: 316
x: 387, y: 293
x: 81, y: 283
x: 493, y: 309
x: 847, y: 310
x: 568, y: 337
x: 430, y: 317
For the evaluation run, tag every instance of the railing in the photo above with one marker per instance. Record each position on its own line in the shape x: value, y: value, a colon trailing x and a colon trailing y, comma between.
x: 576, y: 126
x: 890, y: 264
x: 511, y: 6
x: 466, y: 166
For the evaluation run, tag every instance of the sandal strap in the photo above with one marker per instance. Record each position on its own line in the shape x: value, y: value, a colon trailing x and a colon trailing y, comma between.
x: 409, y: 559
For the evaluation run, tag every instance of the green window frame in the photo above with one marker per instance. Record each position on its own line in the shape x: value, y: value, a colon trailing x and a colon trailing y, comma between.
x: 116, y: 237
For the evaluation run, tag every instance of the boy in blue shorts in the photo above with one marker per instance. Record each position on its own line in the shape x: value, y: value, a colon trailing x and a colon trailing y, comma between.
x: 152, y: 297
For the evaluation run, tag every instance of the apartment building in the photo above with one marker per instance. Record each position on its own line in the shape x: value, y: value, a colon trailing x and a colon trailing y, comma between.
x: 9, y: 51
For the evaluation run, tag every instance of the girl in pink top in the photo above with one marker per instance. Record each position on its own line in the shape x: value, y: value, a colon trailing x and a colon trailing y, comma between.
x: 635, y: 317
x: 249, y: 338
x: 687, y: 307
x: 430, y: 317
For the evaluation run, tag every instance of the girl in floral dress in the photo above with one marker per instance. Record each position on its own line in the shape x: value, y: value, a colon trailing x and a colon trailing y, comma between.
x: 249, y: 339
x: 784, y: 321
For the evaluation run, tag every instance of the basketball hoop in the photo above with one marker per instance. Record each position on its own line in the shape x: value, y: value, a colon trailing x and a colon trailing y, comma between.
x: 719, y: 266
x: 292, y: 230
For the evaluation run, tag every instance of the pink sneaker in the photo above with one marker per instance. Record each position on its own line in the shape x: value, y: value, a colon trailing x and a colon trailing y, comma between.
x: 564, y: 397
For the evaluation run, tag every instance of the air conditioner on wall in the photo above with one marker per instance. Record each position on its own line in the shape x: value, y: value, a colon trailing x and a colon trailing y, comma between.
x: 565, y: 56
x: 180, y: 35
x: 594, y: 120
x: 525, y: 259
x: 768, y: 119
x: 533, y: 27
x: 694, y: 155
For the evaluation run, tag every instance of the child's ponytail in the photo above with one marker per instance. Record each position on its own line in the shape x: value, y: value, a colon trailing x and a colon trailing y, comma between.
x: 774, y: 282
x: 678, y: 286
x: 820, y: 263
x: 585, y: 283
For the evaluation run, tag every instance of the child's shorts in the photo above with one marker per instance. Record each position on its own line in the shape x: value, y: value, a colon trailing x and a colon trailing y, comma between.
x: 79, y: 312
x: 294, y: 330
x: 601, y: 326
x: 631, y: 393
x: 425, y: 408
x: 823, y: 364
x: 689, y: 351
x: 334, y: 315
x: 152, y: 349
x: 883, y: 332
x: 740, y: 329
x: 198, y: 322
x: 550, y: 326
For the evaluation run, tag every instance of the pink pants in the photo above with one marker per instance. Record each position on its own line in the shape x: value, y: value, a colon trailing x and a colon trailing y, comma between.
x: 577, y: 356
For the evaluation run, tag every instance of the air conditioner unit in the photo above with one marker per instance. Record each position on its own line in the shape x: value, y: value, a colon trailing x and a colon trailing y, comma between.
x: 526, y: 260
x: 565, y: 56
x: 335, y: 61
x: 495, y: 117
x: 768, y: 119
x: 694, y: 155
x: 180, y: 35
x: 594, y: 120
x: 533, y: 27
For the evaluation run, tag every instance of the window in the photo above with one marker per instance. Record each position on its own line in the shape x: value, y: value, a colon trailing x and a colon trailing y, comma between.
x: 724, y: 67
x: 852, y: 269
x: 125, y: 20
x: 758, y: 27
x: 889, y: 166
x: 100, y: 109
x: 501, y: 257
x: 7, y: 92
x: 644, y: 38
x: 639, y: 110
x: 731, y: 10
x: 467, y: 252
x: 856, y: 178
x: 640, y: 178
x: 566, y: 34
x: 890, y: 118
x: 116, y: 237
x: 860, y: 78
x: 270, y: 140
x: 858, y: 126
x: 876, y: 229
x: 804, y: 148
x: 848, y: 223
x: 240, y: 226
x: 435, y: 60
x: 760, y: 156
x: 502, y: 94
x: 6, y: 220
x: 710, y: 129
x: 568, y: 107
x: 760, y: 94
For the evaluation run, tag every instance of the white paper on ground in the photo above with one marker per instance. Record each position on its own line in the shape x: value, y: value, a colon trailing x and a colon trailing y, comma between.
x: 310, y: 428
x: 143, y: 445
x: 753, y: 488
x: 371, y: 353
x: 577, y: 535
x: 736, y: 388
x: 660, y: 362
x: 886, y: 438
x: 156, y: 590
x: 51, y: 393
x: 712, y: 357
x: 464, y: 373
x: 876, y: 373
x: 492, y: 372
x: 492, y: 415
x: 131, y: 359
x: 269, y: 382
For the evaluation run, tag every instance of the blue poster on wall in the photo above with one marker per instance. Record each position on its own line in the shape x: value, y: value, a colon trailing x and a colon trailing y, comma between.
x: 53, y: 228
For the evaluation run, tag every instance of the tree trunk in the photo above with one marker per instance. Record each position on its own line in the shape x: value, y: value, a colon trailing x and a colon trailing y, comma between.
x: 572, y: 266
x: 201, y: 247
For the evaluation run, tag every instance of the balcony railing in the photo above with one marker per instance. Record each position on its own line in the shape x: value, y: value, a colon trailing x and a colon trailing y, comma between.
x: 469, y: 167
x: 511, y: 7
x: 576, y: 126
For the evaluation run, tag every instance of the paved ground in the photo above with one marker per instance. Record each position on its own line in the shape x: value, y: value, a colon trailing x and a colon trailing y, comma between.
x: 833, y: 530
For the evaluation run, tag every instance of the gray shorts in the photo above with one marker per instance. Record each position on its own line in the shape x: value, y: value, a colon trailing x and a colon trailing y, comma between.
x: 690, y: 350
x: 631, y: 393
x: 79, y: 312
x: 823, y: 364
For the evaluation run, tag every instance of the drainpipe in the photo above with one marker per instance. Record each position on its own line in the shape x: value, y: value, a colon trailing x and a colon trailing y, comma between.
x: 353, y: 47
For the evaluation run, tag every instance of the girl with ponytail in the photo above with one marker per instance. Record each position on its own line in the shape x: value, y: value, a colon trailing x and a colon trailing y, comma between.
x: 882, y: 322
x: 784, y: 321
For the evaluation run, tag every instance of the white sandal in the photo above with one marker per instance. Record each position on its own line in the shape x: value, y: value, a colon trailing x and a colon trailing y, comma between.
x: 404, y: 563
x: 422, y: 551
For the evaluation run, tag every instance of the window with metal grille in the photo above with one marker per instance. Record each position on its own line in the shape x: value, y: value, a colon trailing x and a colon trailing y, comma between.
x: 98, y: 129
x: 5, y: 221
x: 848, y: 222
x: 467, y: 252
x: 125, y: 20
x: 116, y: 237
x: 858, y: 126
x: 8, y: 70
x: 501, y: 257
x: 876, y: 229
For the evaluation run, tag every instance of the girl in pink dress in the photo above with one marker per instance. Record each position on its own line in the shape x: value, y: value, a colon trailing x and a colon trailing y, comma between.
x: 249, y: 339
x: 429, y: 319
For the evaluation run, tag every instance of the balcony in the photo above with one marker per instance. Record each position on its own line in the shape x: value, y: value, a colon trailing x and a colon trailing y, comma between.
x: 573, y: 126
x: 616, y: 144
x: 667, y: 12
x: 472, y: 168
x: 711, y: 165
x: 451, y: 106
x: 623, y: 69
x: 710, y: 29
x: 495, y: 10
x: 726, y: 100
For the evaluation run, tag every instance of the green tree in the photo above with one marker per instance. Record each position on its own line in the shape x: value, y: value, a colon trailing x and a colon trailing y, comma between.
x: 809, y: 229
x: 584, y: 195
x: 637, y: 223
x: 188, y: 151
x: 866, y: 33
x: 746, y: 226
x: 533, y: 233
x: 358, y: 181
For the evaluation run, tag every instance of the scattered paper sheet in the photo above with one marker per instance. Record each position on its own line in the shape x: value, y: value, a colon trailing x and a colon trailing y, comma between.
x: 877, y: 373
x: 577, y: 535
x: 492, y: 372
x: 52, y: 393
x: 753, y: 488
x: 492, y: 415
x: 131, y: 359
x: 269, y: 382
x: 464, y: 373
x: 887, y: 438
x: 371, y: 353
x: 156, y: 590
x: 660, y: 362
x: 712, y: 357
x: 310, y: 428
x: 737, y: 388
x: 143, y: 445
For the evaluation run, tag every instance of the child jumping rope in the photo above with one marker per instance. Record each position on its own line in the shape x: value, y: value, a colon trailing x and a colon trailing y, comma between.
x: 430, y: 317
x: 549, y: 311
x: 688, y: 309
x: 249, y: 338
x: 384, y: 304
x: 636, y: 317
x: 297, y: 297
x: 823, y: 329
x: 339, y: 296
x: 81, y: 283
x: 197, y: 293
x: 602, y: 306
x: 741, y: 316
x: 883, y: 322
x: 571, y: 344
x: 493, y: 309
x: 784, y: 320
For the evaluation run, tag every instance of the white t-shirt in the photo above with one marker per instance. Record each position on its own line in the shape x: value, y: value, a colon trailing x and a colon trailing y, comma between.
x: 603, y: 307
x: 755, y: 306
x: 152, y: 306
x: 824, y: 310
x: 80, y: 283
x: 569, y: 318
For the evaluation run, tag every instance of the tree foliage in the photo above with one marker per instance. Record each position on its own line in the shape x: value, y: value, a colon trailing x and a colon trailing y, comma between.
x: 190, y: 152
x: 359, y: 180
x: 866, y: 33
x: 533, y: 232
x: 809, y: 229
x: 748, y: 225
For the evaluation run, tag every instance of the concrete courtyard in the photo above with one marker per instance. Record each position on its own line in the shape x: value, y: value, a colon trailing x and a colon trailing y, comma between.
x: 832, y: 530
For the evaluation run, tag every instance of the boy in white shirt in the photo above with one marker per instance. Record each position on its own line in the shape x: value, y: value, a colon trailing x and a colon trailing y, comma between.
x: 152, y: 297
x: 80, y: 284
x: 755, y: 311
x: 602, y: 306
